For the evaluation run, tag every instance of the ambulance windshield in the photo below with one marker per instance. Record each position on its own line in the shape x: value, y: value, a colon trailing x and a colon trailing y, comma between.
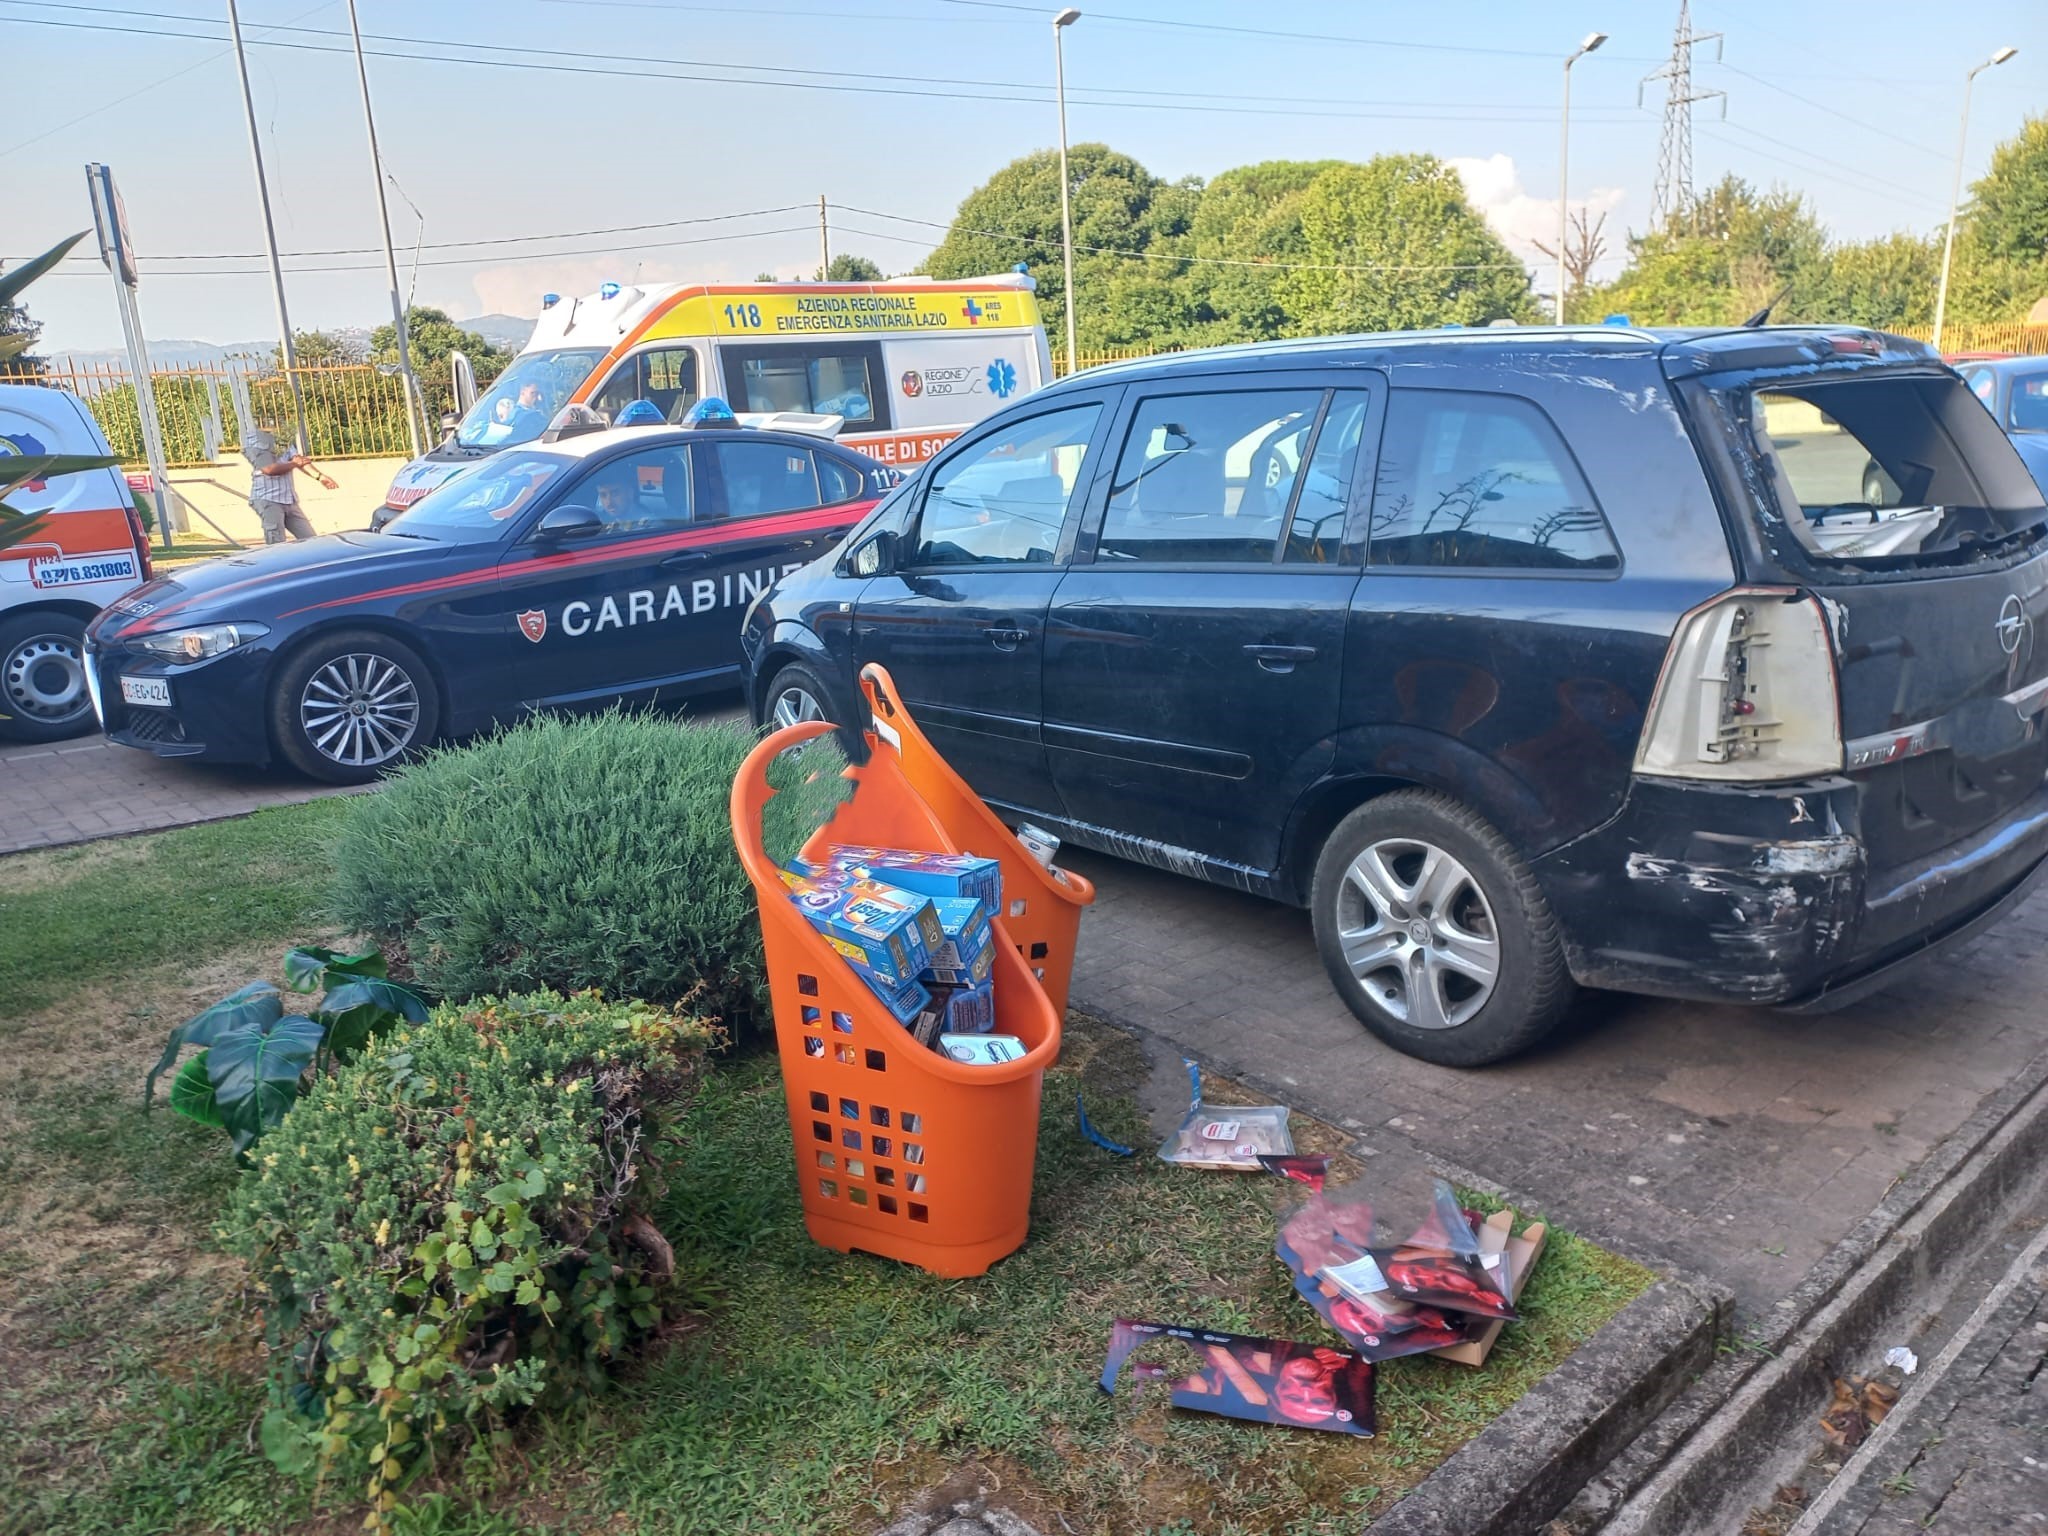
x: 519, y: 405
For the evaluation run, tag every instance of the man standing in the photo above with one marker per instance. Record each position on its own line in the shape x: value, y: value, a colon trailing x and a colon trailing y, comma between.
x: 272, y: 493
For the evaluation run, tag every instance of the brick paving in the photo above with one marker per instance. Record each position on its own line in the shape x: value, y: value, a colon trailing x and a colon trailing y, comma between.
x: 75, y: 791
x: 1737, y: 1143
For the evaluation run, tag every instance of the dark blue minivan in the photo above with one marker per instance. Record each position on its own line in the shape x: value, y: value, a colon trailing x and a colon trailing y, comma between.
x: 1525, y: 659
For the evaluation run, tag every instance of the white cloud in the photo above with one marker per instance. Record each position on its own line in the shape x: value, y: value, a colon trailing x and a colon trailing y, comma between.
x: 1495, y: 188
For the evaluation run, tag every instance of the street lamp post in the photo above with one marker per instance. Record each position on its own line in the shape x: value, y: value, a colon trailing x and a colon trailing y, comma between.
x: 287, y: 347
x: 1060, y: 23
x: 1955, y: 196
x: 1564, y: 155
x: 415, y: 406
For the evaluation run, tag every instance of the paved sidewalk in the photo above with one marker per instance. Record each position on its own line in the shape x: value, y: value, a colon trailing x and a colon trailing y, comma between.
x: 75, y: 791
x: 1734, y: 1142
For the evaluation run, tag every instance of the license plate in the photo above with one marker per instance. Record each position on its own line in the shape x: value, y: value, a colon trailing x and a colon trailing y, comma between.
x: 146, y: 690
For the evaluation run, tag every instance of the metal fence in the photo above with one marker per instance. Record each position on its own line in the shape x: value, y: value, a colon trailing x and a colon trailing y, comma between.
x: 352, y: 411
x: 2005, y: 336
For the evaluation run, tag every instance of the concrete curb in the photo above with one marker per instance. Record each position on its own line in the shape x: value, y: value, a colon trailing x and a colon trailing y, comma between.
x: 1529, y: 1462
x: 1752, y: 1404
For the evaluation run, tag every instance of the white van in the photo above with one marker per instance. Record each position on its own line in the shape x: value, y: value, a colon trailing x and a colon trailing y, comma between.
x: 87, y: 552
x: 908, y: 364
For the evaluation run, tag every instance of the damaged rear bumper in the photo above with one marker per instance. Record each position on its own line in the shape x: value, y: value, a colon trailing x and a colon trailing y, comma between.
x: 1764, y: 895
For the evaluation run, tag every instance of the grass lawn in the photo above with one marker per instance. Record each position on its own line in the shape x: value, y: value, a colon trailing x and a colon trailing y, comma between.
x: 190, y: 549
x: 812, y: 1392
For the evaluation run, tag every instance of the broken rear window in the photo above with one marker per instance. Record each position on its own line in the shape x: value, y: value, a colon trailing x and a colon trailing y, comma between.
x: 1883, y: 471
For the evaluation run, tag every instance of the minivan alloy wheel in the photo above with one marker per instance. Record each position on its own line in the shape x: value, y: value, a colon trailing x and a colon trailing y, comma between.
x: 360, y: 710
x: 794, y: 705
x: 1418, y: 933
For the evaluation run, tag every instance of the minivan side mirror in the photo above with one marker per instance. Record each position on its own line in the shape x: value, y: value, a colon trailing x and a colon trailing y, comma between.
x: 569, y: 521
x: 873, y: 556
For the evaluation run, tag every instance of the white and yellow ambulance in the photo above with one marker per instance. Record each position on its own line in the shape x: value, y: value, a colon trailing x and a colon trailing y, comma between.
x: 907, y: 364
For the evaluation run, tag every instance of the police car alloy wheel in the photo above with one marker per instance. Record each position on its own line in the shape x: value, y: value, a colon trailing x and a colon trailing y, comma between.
x: 352, y: 705
x: 1435, y: 931
x: 42, y: 678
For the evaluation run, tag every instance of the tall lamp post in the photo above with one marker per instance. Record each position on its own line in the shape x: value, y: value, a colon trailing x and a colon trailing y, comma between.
x: 1955, y: 196
x: 1060, y: 23
x: 287, y: 348
x: 1564, y: 155
x: 415, y: 407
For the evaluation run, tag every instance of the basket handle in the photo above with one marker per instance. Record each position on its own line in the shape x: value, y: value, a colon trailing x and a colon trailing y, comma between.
x: 751, y: 792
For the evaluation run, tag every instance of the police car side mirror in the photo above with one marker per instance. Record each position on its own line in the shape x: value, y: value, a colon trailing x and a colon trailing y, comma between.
x: 569, y: 521
x: 874, y: 555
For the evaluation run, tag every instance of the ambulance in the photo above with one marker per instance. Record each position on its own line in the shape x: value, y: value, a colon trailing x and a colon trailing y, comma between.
x: 905, y: 365
x: 88, y: 550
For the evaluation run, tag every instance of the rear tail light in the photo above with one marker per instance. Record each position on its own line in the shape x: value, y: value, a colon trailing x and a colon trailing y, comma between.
x: 1747, y: 693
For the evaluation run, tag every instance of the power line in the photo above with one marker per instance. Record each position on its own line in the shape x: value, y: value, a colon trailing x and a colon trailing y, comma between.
x: 831, y: 81
x: 1822, y: 106
x: 1856, y: 181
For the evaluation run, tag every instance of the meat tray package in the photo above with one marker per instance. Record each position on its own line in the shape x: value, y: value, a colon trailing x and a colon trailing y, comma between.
x: 1323, y: 1245
x: 929, y: 874
x: 885, y: 931
x: 965, y: 955
x: 1443, y: 1265
x: 1242, y: 1376
x: 1227, y: 1135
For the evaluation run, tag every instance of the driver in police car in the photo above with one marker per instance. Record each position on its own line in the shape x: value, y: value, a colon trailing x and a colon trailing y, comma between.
x: 618, y: 502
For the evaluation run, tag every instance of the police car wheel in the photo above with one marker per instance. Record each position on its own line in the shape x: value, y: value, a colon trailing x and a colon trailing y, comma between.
x: 796, y: 696
x: 353, y: 705
x: 42, y: 678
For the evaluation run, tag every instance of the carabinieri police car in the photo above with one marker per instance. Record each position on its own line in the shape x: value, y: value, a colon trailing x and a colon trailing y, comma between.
x: 593, y: 566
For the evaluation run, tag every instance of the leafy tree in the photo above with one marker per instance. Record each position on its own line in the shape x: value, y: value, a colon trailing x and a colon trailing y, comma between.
x: 2008, y: 209
x: 1394, y: 244
x: 433, y: 336
x: 1249, y: 214
x: 1717, y: 263
x: 848, y: 268
x: 19, y: 331
x: 1887, y: 282
x: 1122, y: 213
x: 322, y: 349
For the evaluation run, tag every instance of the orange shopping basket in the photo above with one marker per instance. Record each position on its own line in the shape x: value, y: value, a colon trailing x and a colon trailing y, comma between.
x: 899, y: 1151
x: 1041, y: 911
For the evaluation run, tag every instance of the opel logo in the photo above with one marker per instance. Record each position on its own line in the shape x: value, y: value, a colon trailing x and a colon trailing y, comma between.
x: 2012, y: 625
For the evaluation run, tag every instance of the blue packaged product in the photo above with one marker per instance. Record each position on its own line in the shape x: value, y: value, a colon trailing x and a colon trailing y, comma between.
x: 966, y: 1010
x: 982, y: 1050
x: 881, y: 930
x: 966, y: 953
x: 930, y: 874
x: 905, y: 1000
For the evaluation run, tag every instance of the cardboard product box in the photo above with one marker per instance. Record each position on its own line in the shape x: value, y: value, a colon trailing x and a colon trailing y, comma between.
x: 1522, y: 1252
x: 967, y: 1010
x: 965, y: 955
x: 929, y: 874
x: 982, y: 1050
x: 884, y: 931
x: 908, y: 1000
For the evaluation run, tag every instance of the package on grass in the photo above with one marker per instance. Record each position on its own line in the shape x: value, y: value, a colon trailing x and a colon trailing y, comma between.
x: 1324, y: 1247
x: 1246, y: 1376
x: 982, y: 1050
x: 929, y: 874
x: 885, y: 931
x: 965, y: 954
x: 1227, y: 1135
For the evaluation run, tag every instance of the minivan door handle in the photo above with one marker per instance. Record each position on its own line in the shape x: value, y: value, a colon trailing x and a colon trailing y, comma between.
x: 1280, y: 658
x: 1006, y: 637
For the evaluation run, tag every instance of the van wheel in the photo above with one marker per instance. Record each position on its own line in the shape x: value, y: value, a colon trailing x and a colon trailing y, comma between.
x: 42, y: 678
x: 354, y: 705
x: 1435, y: 932
x: 796, y: 695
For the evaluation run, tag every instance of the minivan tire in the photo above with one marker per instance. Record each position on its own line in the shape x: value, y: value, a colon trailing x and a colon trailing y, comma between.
x: 33, y: 645
x: 399, y: 692
x: 1444, y: 897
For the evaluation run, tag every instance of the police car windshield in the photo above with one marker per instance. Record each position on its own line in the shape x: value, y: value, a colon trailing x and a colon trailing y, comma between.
x: 525, y: 397
x: 477, y: 506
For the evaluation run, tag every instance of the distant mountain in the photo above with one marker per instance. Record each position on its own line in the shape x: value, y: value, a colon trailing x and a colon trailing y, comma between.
x: 508, y: 332
x: 171, y: 352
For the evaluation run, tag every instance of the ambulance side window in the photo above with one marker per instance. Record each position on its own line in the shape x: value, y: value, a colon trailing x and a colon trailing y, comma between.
x: 666, y: 376
x: 842, y: 378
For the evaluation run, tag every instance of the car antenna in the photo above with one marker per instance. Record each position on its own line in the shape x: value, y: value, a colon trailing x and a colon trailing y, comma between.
x: 1763, y: 316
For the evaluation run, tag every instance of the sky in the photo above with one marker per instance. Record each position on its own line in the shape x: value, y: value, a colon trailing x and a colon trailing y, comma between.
x: 551, y: 125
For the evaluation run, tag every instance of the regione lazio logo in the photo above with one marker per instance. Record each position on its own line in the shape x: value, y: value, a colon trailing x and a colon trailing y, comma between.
x: 913, y: 383
x: 533, y: 624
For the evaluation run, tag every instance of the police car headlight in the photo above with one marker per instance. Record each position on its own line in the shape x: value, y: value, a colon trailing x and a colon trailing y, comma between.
x: 200, y: 642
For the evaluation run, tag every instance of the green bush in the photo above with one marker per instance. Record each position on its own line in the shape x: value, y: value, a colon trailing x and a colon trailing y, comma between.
x: 455, y: 1227
x: 580, y: 853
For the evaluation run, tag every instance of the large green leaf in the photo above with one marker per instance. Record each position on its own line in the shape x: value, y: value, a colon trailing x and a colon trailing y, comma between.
x: 18, y: 467
x: 14, y: 281
x: 19, y: 527
x: 309, y: 964
x: 364, y: 1007
x: 255, y: 1006
x: 256, y: 1073
x: 192, y: 1093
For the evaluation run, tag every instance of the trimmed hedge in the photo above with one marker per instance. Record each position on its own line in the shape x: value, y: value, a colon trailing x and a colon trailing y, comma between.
x: 573, y: 854
x: 456, y: 1226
